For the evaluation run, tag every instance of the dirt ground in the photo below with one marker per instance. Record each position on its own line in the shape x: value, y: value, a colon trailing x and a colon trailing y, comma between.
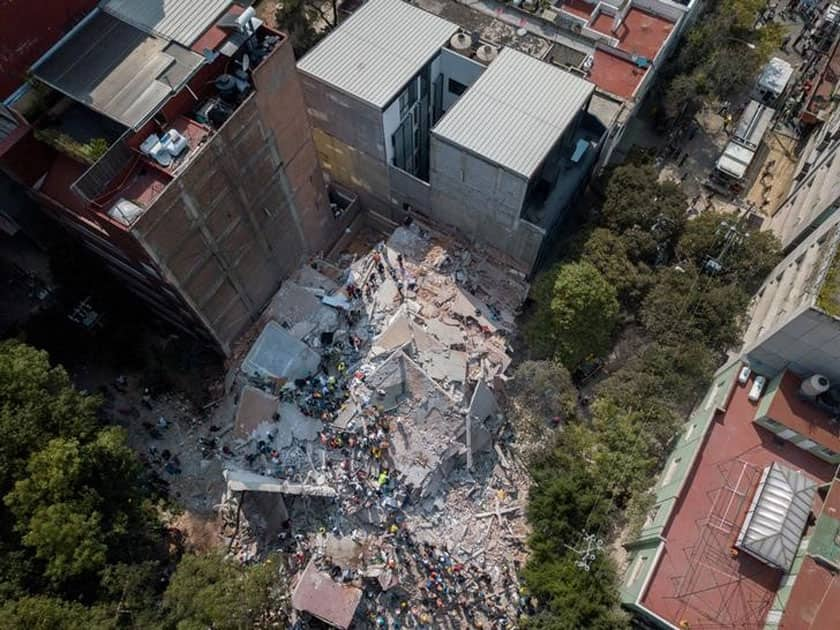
x: 773, y: 181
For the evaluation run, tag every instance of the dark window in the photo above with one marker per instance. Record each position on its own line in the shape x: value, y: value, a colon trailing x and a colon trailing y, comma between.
x: 456, y: 87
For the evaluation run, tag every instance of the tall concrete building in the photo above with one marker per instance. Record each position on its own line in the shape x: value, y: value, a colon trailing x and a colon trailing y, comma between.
x: 794, y: 319
x: 496, y: 144
x: 173, y: 140
x: 815, y: 193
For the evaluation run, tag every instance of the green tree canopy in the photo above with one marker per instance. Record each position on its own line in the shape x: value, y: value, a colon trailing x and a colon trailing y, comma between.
x: 685, y: 305
x: 212, y: 592
x: 608, y: 253
x: 81, y: 505
x: 636, y: 199
x: 37, y: 403
x: 576, y: 313
x: 747, y: 260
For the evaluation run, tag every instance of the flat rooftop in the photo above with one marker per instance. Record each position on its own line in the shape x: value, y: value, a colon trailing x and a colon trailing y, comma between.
x: 375, y: 52
x: 640, y: 33
x: 515, y: 112
x: 814, y: 601
x: 117, y: 69
x: 804, y: 417
x: 615, y: 74
x: 698, y: 582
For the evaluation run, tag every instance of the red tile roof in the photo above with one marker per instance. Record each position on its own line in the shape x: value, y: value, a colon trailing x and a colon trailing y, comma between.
x: 814, y: 601
x: 698, y: 579
x: 803, y: 417
x: 615, y: 75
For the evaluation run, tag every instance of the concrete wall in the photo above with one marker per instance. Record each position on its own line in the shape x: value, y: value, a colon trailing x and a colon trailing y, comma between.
x: 815, y: 192
x: 246, y: 210
x: 350, y: 142
x: 459, y: 68
x: 482, y: 200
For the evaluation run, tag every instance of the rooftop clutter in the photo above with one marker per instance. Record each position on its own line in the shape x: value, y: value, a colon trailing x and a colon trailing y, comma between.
x: 390, y: 443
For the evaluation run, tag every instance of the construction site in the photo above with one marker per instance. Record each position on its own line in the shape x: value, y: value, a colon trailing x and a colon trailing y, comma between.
x: 360, y: 434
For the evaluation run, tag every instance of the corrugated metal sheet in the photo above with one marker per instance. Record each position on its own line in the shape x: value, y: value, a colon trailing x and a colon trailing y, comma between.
x: 515, y: 112
x: 183, y: 21
x: 8, y: 123
x: 779, y: 512
x: 377, y: 50
x: 117, y: 69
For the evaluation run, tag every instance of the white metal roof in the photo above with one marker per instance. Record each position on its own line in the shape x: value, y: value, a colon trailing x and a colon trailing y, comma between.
x: 735, y: 160
x: 753, y: 124
x: 778, y: 515
x: 374, y: 53
x: 775, y: 76
x: 183, y: 21
x: 515, y: 112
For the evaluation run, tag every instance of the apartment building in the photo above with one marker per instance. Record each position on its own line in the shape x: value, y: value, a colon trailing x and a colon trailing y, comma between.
x: 794, y: 318
x: 496, y: 145
x: 172, y: 138
x: 743, y: 529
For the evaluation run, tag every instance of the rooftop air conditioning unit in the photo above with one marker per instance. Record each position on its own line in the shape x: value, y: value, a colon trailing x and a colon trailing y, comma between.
x: 486, y: 53
x: 460, y: 42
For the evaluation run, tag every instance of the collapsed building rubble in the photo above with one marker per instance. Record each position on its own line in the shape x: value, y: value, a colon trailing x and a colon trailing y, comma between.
x: 368, y: 442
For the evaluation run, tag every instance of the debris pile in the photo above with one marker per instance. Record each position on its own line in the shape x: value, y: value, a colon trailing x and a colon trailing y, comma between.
x: 368, y: 444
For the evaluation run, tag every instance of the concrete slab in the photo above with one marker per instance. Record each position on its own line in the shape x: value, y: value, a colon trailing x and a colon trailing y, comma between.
x: 244, y: 481
x: 449, y: 366
x: 319, y: 595
x: 255, y: 407
x: 297, y: 426
x: 277, y: 354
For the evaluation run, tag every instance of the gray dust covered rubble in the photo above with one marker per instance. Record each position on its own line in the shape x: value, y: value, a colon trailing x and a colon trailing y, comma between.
x: 368, y: 443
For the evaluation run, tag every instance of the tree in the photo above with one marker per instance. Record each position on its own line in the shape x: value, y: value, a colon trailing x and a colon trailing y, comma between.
x: 687, y: 305
x: 574, y: 598
x: 720, y: 56
x: 37, y: 403
x: 306, y: 21
x: 635, y: 198
x: 674, y: 373
x: 575, y: 316
x: 81, y: 506
x: 608, y: 253
x: 48, y: 613
x: 747, y: 261
x: 544, y: 388
x: 210, y: 591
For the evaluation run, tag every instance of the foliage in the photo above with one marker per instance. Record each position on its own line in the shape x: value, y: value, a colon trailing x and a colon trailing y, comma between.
x: 48, y: 613
x: 306, y: 21
x: 720, y: 56
x: 543, y: 389
x: 37, y: 403
x: 212, y: 592
x: 576, y: 598
x: 635, y: 199
x: 685, y: 305
x: 747, y: 261
x: 828, y: 298
x: 678, y: 373
x: 81, y: 506
x: 87, y: 152
x: 609, y: 254
x: 575, y: 316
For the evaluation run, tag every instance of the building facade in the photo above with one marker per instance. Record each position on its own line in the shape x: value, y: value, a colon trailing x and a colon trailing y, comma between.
x: 496, y: 147
x: 179, y: 150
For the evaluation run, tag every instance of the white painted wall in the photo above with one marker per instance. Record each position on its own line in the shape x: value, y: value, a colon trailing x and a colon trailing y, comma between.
x: 459, y: 68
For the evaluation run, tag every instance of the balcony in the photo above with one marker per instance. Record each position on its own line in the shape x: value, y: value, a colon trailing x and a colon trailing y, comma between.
x: 129, y: 177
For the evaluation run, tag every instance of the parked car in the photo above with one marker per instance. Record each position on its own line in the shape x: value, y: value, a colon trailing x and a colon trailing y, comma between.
x: 757, y: 388
x: 744, y: 375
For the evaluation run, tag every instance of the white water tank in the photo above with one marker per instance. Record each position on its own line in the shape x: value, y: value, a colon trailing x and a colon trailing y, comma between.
x: 486, y: 53
x: 460, y: 42
x: 814, y: 385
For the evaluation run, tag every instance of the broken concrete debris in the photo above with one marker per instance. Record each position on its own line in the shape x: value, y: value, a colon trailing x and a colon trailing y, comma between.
x: 368, y: 438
